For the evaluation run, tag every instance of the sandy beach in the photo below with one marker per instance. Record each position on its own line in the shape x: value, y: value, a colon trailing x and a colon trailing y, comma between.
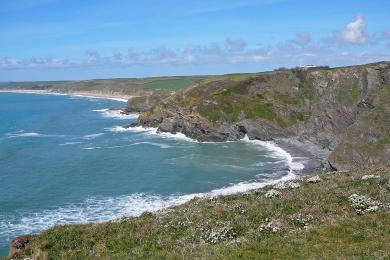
x: 91, y: 94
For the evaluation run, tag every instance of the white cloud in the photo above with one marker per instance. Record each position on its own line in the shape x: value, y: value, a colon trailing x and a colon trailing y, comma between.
x: 300, y: 50
x: 354, y: 32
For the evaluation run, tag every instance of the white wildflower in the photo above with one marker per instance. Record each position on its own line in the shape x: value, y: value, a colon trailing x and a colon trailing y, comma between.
x: 272, y: 194
x: 314, y: 179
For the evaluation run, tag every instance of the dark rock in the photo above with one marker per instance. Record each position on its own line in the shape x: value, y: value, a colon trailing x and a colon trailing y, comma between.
x: 261, y: 130
x: 19, y: 242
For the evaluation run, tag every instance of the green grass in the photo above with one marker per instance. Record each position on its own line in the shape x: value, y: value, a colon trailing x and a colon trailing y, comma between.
x: 169, y: 84
x: 334, y: 229
x: 231, y: 108
x: 234, y: 77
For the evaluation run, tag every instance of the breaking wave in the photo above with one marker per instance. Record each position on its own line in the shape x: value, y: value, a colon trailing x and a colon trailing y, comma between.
x: 150, y: 131
x: 115, y: 113
x: 278, y: 152
x: 92, y: 136
x: 96, y: 210
x: 22, y: 133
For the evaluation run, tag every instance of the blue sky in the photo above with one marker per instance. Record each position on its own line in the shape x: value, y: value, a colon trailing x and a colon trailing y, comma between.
x: 72, y: 39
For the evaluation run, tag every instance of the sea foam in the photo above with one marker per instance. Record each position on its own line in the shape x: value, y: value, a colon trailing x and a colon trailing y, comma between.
x: 278, y: 152
x: 110, y: 208
x: 92, y: 136
x: 151, y: 131
x: 96, y: 210
x: 22, y: 133
x: 114, y: 113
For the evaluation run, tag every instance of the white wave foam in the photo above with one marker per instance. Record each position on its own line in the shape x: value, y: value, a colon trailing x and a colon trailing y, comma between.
x: 91, y: 148
x: 70, y: 143
x: 38, y: 92
x: 114, y: 113
x: 101, y: 110
x: 98, y: 97
x: 25, y: 135
x: 177, y: 136
x: 163, y: 146
x: 91, y: 210
x: 151, y: 131
x: 137, y: 129
x: 92, y: 136
x: 99, y: 210
x: 21, y: 133
x: 278, y: 152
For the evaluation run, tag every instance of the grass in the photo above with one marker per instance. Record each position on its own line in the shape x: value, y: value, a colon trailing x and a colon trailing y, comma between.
x: 231, y: 109
x: 315, y: 220
x: 169, y: 84
x: 127, y: 86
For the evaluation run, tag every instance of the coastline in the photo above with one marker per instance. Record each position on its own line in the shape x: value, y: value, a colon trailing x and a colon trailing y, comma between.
x: 237, y: 188
x: 300, y: 164
x: 116, y: 97
x: 291, y: 153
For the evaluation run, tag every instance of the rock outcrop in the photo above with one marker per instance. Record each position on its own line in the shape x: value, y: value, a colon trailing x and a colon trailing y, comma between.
x: 343, y: 112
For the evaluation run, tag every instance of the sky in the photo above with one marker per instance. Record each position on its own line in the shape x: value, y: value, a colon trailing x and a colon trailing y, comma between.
x: 74, y: 40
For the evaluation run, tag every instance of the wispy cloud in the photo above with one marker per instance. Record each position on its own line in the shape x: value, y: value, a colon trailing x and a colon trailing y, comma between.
x: 354, y: 33
x: 300, y: 50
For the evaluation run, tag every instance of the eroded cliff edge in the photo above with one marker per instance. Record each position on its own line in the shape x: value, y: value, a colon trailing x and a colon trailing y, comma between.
x: 339, y: 115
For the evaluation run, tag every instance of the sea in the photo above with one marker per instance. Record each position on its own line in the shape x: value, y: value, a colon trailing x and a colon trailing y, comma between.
x: 68, y: 159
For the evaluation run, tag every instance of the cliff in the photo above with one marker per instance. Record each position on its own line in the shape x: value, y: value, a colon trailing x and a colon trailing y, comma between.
x: 341, y: 114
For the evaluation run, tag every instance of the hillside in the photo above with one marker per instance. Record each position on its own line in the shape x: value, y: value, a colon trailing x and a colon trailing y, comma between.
x: 116, y: 87
x: 341, y: 115
x: 338, y: 215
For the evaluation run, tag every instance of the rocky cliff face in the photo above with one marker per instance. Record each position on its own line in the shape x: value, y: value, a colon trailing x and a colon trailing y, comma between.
x: 344, y: 112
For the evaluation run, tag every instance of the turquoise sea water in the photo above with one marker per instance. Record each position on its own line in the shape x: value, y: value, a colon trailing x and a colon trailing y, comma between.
x: 67, y: 159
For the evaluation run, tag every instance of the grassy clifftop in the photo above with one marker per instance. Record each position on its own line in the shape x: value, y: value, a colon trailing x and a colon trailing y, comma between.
x: 344, y: 111
x: 340, y: 215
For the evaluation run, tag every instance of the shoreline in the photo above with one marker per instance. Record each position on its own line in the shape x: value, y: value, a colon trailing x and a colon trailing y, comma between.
x: 237, y: 188
x: 86, y: 94
x: 289, y: 213
x: 297, y: 161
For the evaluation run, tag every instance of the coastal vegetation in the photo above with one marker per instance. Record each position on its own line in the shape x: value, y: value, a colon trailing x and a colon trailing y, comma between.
x: 120, y: 86
x: 333, y: 215
x: 344, y: 112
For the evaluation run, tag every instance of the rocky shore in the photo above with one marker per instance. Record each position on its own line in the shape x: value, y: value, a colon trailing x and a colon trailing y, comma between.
x: 339, y: 117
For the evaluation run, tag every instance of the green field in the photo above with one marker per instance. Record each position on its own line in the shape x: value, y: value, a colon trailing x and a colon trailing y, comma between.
x: 169, y: 84
x: 130, y: 86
